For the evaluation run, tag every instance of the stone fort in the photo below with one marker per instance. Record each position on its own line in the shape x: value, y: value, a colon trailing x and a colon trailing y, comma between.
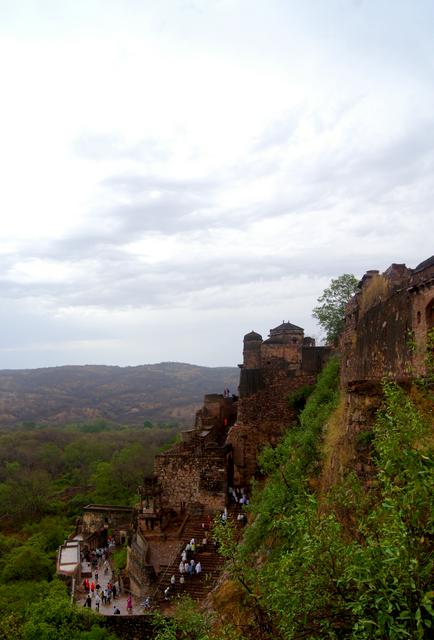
x: 220, y: 451
x: 388, y: 334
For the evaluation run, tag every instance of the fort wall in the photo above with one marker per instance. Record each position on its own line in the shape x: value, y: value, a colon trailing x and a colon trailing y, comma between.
x: 196, y: 476
x: 271, y: 371
x: 386, y: 337
x: 387, y: 325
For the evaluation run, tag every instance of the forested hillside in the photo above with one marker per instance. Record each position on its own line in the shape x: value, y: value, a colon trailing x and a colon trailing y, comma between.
x: 355, y: 561
x: 165, y: 392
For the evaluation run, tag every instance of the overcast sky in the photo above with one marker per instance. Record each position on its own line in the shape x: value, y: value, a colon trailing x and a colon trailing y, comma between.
x: 177, y: 173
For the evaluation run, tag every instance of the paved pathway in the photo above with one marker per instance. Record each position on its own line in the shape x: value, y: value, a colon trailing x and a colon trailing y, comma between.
x: 107, y: 609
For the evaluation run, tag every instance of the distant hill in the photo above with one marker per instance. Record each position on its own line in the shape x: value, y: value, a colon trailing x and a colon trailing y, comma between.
x: 165, y: 392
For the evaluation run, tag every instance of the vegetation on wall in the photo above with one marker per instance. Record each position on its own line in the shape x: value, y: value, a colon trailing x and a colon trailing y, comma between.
x: 305, y: 572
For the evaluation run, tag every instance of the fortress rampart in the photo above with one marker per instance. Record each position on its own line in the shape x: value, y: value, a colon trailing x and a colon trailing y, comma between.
x: 387, y: 325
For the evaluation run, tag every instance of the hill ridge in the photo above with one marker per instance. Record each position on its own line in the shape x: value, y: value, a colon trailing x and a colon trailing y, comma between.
x: 159, y: 392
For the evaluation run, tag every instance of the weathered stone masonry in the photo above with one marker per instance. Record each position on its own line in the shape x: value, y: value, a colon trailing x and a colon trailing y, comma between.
x: 221, y: 450
x: 385, y: 337
x: 387, y: 323
x: 271, y: 371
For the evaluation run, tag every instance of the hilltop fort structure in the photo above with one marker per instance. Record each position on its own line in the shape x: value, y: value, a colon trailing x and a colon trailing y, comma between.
x: 194, y: 477
x: 388, y: 334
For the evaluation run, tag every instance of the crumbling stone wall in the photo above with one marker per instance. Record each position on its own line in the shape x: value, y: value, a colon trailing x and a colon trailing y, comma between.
x: 193, y: 475
x: 384, y: 338
x: 97, y: 517
x: 262, y: 418
x: 381, y: 343
x: 270, y: 372
x: 388, y: 339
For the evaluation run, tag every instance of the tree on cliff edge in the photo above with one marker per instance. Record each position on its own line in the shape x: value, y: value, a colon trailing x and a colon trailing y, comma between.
x: 331, y: 308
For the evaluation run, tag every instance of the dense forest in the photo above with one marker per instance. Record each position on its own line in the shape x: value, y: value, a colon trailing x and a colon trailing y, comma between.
x: 46, y: 476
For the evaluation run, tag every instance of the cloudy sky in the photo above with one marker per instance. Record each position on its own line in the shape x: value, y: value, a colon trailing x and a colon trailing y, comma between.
x: 176, y: 173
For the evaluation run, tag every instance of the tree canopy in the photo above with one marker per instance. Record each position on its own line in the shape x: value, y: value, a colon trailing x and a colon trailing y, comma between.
x: 331, y: 308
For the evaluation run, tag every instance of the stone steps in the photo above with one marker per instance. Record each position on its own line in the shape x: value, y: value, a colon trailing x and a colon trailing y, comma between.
x: 197, y: 586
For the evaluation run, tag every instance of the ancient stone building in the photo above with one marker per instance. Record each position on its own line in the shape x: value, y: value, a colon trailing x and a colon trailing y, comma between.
x: 271, y: 370
x: 221, y: 450
x: 190, y: 478
x: 194, y: 471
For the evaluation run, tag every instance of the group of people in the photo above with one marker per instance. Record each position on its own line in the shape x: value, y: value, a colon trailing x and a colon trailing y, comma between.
x: 98, y: 558
x: 188, y: 566
x: 238, y: 495
x: 101, y: 595
x: 97, y: 594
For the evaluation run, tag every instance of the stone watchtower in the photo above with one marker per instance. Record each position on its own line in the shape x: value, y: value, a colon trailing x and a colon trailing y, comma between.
x: 252, y: 350
x: 272, y: 369
x: 284, y: 344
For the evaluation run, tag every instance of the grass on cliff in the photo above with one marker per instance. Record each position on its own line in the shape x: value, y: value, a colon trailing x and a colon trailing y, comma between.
x: 304, y: 574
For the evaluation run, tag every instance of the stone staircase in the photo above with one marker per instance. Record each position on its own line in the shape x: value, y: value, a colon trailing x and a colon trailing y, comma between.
x: 196, y: 586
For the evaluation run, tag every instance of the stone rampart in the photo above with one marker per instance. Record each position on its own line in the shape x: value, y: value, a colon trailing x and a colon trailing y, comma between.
x: 386, y: 336
x: 97, y: 517
x: 387, y: 325
x: 262, y: 418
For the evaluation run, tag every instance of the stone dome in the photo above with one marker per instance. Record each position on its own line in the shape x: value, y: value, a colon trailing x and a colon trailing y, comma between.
x: 284, y: 328
x: 253, y: 337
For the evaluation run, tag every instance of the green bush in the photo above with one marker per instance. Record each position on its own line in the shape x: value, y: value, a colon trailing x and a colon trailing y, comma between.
x: 311, y: 577
x: 27, y: 563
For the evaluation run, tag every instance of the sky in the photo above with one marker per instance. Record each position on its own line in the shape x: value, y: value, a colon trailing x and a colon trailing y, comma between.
x: 176, y: 173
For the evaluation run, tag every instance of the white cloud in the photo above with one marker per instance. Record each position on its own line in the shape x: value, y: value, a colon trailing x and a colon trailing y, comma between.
x: 174, y: 172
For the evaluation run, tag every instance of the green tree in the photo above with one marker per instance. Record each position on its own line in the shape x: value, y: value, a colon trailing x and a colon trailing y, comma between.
x: 331, y: 308
x: 54, y: 618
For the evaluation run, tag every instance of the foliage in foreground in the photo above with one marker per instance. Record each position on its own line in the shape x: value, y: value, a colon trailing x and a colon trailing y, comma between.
x: 185, y: 623
x: 305, y: 574
x: 52, y: 617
